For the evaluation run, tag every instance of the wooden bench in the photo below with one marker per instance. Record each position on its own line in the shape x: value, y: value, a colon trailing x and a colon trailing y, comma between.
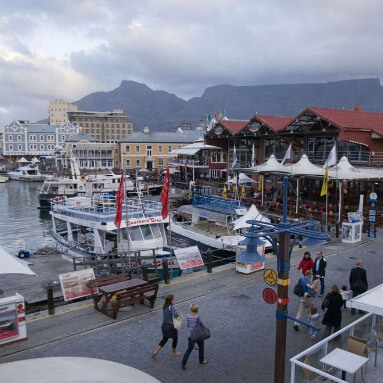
x: 93, y: 284
x: 139, y: 294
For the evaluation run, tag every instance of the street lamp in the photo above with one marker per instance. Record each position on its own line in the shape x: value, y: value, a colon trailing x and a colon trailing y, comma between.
x: 283, y: 230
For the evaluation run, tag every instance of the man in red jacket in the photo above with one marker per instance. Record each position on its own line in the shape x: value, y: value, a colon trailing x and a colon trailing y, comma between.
x: 306, y: 263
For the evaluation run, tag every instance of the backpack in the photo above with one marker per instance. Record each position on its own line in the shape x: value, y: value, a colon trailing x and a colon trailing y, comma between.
x: 298, y: 289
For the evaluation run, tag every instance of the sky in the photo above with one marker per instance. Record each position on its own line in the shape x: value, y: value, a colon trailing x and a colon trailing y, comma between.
x: 67, y: 49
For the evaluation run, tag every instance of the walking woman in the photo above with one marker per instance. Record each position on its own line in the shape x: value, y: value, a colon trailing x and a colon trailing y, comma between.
x: 168, y: 330
x: 333, y: 316
x: 306, y: 263
x: 191, y: 322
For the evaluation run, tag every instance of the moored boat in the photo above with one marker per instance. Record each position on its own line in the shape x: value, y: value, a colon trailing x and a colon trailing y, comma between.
x: 26, y: 173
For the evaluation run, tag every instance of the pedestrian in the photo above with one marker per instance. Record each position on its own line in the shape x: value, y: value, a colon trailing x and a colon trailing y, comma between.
x: 305, y: 301
x: 345, y: 295
x: 191, y: 322
x: 306, y: 263
x: 333, y: 317
x: 314, y: 321
x: 168, y: 331
x: 319, y: 270
x: 358, y: 281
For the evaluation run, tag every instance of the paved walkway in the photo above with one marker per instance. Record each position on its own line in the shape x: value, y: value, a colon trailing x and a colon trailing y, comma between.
x: 243, y: 326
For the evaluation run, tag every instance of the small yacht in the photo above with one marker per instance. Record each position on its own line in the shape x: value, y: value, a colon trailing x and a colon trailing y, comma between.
x: 84, y: 228
x: 27, y: 173
x: 3, y: 178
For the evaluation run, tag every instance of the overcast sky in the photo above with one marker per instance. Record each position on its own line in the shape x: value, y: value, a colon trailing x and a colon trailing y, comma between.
x: 68, y: 48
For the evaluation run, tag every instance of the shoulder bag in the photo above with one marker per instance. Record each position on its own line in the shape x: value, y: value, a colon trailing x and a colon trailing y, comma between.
x: 177, y: 322
x: 200, y: 332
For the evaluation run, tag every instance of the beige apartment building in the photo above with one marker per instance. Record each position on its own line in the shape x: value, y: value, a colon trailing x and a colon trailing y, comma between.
x: 152, y: 150
x: 110, y: 127
x: 58, y: 111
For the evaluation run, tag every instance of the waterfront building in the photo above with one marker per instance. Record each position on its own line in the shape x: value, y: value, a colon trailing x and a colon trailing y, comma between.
x: 91, y: 153
x: 24, y: 139
x: 108, y: 127
x: 153, y: 150
x: 58, y: 111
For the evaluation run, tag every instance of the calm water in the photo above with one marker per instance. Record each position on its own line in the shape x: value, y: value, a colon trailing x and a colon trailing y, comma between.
x: 22, y: 225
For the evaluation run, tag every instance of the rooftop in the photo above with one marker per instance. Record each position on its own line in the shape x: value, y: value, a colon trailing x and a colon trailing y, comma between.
x: 186, y: 137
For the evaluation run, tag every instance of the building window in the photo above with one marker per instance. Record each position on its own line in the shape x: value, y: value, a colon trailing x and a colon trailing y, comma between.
x: 137, y: 148
x: 18, y: 138
x: 10, y: 138
x: 32, y: 138
x: 149, y: 150
x: 128, y: 163
x: 42, y: 147
x: 127, y: 148
x: 138, y: 163
x: 63, y: 137
x: 19, y: 147
x: 169, y: 148
x: 10, y: 147
x: 33, y: 147
x: 41, y: 138
x: 160, y: 162
x: 160, y: 149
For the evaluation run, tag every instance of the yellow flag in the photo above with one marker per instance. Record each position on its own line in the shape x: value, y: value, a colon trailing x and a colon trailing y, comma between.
x: 224, y: 195
x: 234, y: 189
x: 325, y: 183
x: 243, y: 191
x: 260, y: 179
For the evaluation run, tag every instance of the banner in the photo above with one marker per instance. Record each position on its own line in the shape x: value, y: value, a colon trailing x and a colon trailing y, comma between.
x: 188, y: 257
x: 119, y: 199
x: 164, y: 198
x: 73, y: 285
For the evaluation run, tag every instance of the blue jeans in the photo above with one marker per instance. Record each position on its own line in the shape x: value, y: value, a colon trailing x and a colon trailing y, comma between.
x: 321, y: 284
x: 312, y: 331
x: 191, y: 344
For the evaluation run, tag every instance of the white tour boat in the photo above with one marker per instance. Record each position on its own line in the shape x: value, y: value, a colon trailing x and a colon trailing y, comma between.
x: 27, y: 173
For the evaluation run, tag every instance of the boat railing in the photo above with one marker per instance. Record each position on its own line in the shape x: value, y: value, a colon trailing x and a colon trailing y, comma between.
x: 85, y: 249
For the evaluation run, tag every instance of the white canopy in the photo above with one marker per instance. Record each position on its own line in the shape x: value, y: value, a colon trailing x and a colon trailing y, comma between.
x: 242, y: 179
x: 252, y: 213
x: 371, y: 301
x: 194, y: 148
x: 12, y: 265
x: 345, y: 171
x: 306, y: 168
x: 272, y: 166
x: 171, y: 171
x: 23, y: 160
x: 35, y: 160
x: 143, y: 170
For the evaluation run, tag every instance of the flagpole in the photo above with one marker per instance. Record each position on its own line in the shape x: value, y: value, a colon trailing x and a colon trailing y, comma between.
x: 326, y: 211
x: 170, y: 233
x: 125, y: 201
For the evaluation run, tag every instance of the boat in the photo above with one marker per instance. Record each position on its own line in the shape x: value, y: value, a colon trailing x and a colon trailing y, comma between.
x: 3, y: 178
x: 27, y: 173
x: 84, y: 228
x: 209, y: 223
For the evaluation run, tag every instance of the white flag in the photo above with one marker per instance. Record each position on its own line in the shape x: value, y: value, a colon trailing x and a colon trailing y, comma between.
x: 287, y: 155
x: 235, y: 159
x: 331, y: 159
x: 253, y: 157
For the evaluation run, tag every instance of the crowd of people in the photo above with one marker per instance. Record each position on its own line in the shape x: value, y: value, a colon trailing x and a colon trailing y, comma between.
x: 312, y: 284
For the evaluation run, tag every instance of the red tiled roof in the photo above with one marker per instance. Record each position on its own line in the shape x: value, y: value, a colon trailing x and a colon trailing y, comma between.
x: 275, y: 123
x: 351, y: 119
x: 233, y: 126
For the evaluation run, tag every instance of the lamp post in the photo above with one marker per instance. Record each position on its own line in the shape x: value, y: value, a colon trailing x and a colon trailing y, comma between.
x: 283, y: 230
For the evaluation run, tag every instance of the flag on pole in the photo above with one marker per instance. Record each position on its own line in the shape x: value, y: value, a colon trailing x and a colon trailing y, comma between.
x: 331, y: 159
x: 260, y: 179
x: 165, y: 195
x: 243, y: 191
x: 287, y: 155
x: 253, y: 157
x: 325, y: 183
x: 234, y: 189
x: 119, y: 199
x: 224, y: 195
x: 235, y: 159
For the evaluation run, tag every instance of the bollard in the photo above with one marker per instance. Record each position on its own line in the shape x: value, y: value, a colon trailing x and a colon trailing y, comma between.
x: 209, y: 261
x: 145, y: 272
x: 51, y: 304
x: 165, y: 266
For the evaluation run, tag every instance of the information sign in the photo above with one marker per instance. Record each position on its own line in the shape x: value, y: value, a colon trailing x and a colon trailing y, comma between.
x: 269, y: 296
x: 188, y: 257
x: 372, y: 215
x: 73, y: 285
x: 270, y: 277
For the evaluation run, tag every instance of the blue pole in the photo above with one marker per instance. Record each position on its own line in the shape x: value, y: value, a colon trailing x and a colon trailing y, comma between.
x: 285, y: 189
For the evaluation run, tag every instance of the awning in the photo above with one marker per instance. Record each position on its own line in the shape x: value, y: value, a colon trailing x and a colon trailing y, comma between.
x: 203, y: 213
x: 345, y: 171
x: 11, y: 265
x: 371, y: 301
x: 271, y: 166
x: 194, y: 148
x: 252, y: 214
x: 305, y: 168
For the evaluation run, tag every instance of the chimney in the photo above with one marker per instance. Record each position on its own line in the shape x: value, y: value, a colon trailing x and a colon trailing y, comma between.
x: 357, y: 108
x: 146, y: 130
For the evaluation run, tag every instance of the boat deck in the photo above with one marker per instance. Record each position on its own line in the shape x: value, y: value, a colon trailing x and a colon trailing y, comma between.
x: 215, y: 230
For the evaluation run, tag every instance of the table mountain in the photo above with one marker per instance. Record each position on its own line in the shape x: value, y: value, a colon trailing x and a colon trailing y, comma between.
x: 161, y: 110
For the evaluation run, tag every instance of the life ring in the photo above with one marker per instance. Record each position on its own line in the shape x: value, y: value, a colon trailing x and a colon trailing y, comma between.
x: 82, y: 178
x: 81, y: 187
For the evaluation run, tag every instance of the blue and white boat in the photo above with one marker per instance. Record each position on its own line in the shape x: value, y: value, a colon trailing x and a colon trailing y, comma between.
x: 27, y: 173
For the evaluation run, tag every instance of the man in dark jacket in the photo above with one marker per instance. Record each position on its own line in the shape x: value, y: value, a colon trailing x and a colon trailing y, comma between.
x: 358, y: 281
x: 319, y: 270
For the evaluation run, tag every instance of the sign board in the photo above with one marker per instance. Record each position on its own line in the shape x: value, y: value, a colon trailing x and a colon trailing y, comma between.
x: 269, y: 296
x: 8, y: 322
x: 371, y: 229
x: 73, y: 285
x: 270, y: 277
x: 188, y: 257
x: 144, y: 221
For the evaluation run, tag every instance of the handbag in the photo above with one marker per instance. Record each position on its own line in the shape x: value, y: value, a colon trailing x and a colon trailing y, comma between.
x: 200, y: 332
x: 177, y: 322
x: 326, y: 302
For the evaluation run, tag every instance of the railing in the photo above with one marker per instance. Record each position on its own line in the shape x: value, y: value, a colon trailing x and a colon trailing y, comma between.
x: 309, y: 360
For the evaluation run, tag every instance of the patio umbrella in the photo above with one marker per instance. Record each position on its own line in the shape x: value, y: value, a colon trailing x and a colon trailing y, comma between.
x: 35, y: 160
x: 252, y: 214
x: 143, y: 170
x: 11, y: 265
x: 23, y: 160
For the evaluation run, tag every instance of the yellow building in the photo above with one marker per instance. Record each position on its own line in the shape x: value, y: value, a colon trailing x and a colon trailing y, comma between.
x: 58, y: 111
x: 152, y: 150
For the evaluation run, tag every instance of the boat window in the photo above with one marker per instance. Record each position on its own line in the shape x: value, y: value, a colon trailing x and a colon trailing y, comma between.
x: 156, y: 231
x: 135, y: 233
x: 146, y: 232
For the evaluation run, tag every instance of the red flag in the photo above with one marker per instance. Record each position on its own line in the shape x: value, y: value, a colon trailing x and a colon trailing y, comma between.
x: 165, y: 195
x: 119, y: 199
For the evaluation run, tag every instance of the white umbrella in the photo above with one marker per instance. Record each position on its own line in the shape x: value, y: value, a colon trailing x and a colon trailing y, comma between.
x: 23, y: 160
x: 272, y: 166
x: 306, y: 168
x: 35, y: 160
x: 242, y: 179
x: 143, y: 170
x: 171, y: 171
x: 252, y: 213
x: 11, y: 265
x: 345, y: 171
